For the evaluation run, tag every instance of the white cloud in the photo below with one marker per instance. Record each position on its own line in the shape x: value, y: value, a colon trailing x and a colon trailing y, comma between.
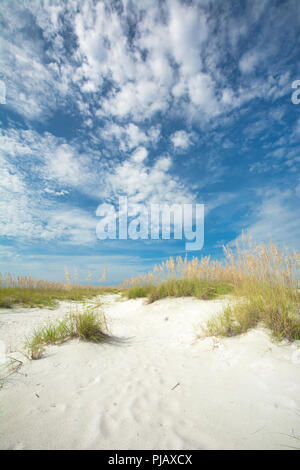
x: 170, y: 62
x: 71, y: 225
x: 181, y: 139
x: 146, y: 184
x: 50, y: 159
x: 30, y: 205
x: 63, y: 192
x: 130, y: 136
x: 139, y: 155
x: 26, y: 212
x: 276, y: 218
x: 17, y: 209
x: 67, y: 166
x: 187, y: 31
x: 117, y: 66
x: 250, y: 61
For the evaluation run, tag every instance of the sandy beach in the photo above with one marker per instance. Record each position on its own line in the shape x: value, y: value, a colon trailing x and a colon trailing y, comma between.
x: 155, y: 385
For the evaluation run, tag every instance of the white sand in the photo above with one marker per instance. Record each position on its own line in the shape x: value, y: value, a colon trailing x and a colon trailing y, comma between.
x: 157, y: 387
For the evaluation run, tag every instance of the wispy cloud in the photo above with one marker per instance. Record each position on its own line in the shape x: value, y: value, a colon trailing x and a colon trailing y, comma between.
x: 153, y: 58
x: 275, y: 217
x: 105, y: 98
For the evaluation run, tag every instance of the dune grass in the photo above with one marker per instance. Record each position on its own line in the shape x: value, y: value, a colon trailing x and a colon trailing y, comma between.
x: 275, y: 307
x: 180, y: 288
x: 26, y: 291
x: 43, y: 297
x: 87, y: 326
x: 136, y: 292
x: 201, y: 289
x: 262, y: 278
x: 267, y: 292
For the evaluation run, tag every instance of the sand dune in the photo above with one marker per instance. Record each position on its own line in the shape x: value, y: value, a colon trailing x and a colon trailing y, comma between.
x: 154, y: 386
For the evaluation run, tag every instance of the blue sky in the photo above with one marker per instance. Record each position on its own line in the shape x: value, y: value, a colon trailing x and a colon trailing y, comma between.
x: 162, y: 101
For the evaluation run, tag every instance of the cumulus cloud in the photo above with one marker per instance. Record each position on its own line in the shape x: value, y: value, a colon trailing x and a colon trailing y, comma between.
x: 49, y: 159
x: 145, y: 183
x: 29, y: 204
x: 128, y: 73
x: 16, y: 216
x: 70, y: 225
x: 181, y: 139
x: 128, y: 62
x: 130, y: 136
x: 26, y: 212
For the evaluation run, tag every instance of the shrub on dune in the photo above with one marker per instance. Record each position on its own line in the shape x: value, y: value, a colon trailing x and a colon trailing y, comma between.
x: 189, y: 288
x: 87, y: 326
x: 262, y: 278
x: 268, y: 293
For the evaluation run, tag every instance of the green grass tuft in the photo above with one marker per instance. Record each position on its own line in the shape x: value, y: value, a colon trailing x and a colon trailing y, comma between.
x: 26, y: 297
x: 276, y: 307
x: 189, y: 288
x: 263, y: 279
x: 87, y: 326
x: 179, y: 288
x: 139, y: 291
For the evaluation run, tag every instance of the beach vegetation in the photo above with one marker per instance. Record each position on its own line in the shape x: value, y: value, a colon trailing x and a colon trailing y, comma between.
x: 89, y: 325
